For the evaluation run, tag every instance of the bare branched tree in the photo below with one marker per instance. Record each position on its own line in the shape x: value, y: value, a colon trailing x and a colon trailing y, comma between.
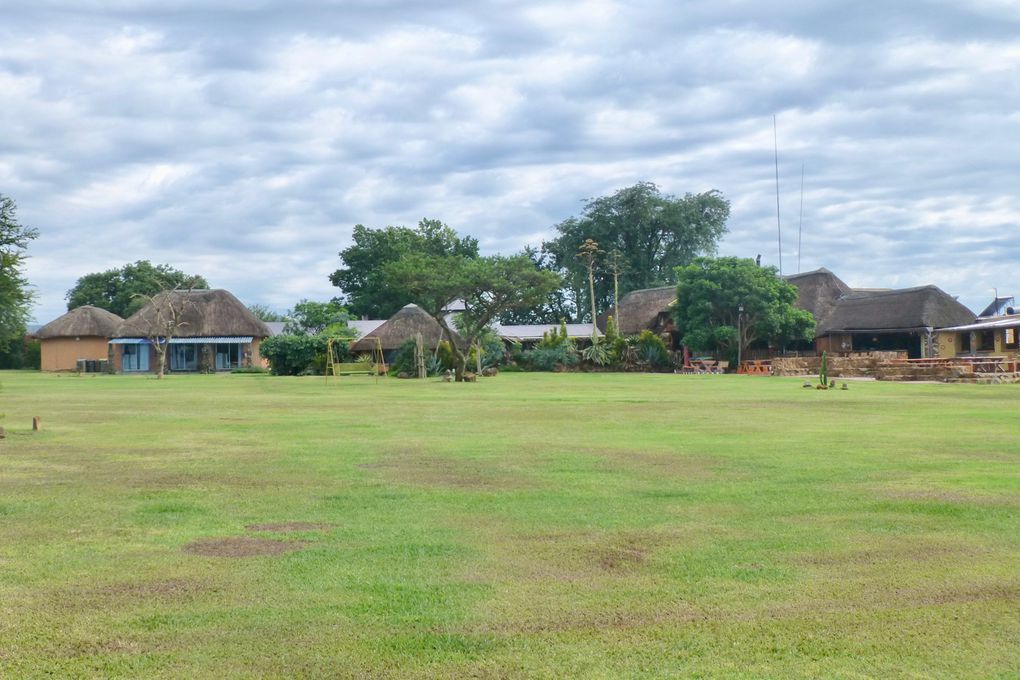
x: 163, y: 319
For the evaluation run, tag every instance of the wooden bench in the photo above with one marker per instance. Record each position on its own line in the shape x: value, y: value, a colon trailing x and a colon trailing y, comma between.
x: 355, y: 368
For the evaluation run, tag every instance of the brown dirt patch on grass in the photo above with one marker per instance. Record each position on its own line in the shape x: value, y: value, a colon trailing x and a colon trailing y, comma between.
x: 627, y: 555
x: 239, y: 546
x: 960, y: 594
x: 168, y: 588
x: 285, y: 527
x: 590, y: 621
x: 671, y: 465
x: 904, y: 551
x: 418, y: 469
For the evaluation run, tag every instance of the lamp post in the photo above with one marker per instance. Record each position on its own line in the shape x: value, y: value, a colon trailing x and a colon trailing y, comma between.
x: 740, y: 315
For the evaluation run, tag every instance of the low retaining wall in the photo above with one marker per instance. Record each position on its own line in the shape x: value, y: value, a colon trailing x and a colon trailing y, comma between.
x: 848, y: 366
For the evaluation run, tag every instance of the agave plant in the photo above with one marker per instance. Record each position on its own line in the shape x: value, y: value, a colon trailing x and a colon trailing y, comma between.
x: 597, y: 352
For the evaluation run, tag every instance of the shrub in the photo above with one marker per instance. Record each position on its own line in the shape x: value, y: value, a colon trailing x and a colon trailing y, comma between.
x: 298, y: 354
x: 550, y: 358
x: 599, y: 352
x: 652, y: 350
x: 245, y: 370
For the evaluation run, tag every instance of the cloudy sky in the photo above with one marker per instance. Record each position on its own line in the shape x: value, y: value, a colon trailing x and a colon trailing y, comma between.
x: 243, y: 139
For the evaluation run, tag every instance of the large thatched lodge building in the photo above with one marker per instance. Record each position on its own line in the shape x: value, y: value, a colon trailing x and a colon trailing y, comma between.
x: 846, y: 319
x: 213, y: 331
x: 864, y: 320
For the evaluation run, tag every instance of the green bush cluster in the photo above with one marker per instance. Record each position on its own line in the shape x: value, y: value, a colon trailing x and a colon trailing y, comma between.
x: 554, y: 351
x: 300, y: 354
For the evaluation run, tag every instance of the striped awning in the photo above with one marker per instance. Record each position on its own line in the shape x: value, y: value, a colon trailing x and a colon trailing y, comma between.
x: 231, y: 339
x: 227, y: 339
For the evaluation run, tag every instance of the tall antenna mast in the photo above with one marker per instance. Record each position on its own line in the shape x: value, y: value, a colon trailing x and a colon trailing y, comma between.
x: 800, y: 226
x: 779, y: 226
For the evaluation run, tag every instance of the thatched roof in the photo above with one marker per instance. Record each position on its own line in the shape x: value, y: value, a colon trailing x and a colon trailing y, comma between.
x: 395, y: 331
x: 204, y: 313
x: 896, y: 310
x: 817, y: 292
x: 84, y: 321
x: 640, y: 309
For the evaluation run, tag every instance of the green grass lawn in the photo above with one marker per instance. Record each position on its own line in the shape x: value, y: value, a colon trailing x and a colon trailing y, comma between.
x: 530, y: 525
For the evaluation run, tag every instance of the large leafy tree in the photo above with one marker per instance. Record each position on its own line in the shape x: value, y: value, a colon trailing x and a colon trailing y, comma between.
x: 125, y: 290
x: 361, y: 279
x: 489, y: 286
x: 711, y: 293
x: 15, y: 295
x: 653, y: 233
x: 556, y: 307
x: 314, y: 318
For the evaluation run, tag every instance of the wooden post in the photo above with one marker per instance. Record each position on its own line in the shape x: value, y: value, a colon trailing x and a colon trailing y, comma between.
x: 36, y: 423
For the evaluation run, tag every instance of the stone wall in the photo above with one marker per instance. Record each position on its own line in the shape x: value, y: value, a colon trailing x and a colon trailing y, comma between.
x: 857, y: 364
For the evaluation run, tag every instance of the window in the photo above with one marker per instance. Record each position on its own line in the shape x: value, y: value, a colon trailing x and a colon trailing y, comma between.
x: 184, y: 357
x: 986, y: 341
x: 135, y: 358
x: 964, y: 340
x: 1010, y: 338
x: 228, y: 356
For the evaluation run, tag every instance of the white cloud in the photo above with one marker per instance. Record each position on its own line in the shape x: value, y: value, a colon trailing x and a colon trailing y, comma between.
x: 242, y: 141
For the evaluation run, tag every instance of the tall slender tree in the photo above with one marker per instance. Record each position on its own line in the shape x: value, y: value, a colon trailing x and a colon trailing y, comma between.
x: 15, y: 295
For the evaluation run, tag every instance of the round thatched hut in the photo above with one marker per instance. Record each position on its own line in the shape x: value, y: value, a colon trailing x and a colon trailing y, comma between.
x: 211, y: 331
x: 395, y: 331
x: 81, y: 334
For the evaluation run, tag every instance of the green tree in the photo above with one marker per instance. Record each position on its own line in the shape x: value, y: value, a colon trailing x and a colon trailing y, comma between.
x: 15, y: 296
x: 711, y: 292
x: 489, y: 286
x: 125, y: 290
x: 556, y: 306
x: 265, y: 312
x: 318, y: 318
x: 361, y: 278
x: 653, y: 232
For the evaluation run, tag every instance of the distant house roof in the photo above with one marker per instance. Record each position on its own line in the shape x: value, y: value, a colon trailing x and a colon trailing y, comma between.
x: 895, y: 310
x: 275, y: 327
x: 998, y: 306
x: 204, y: 313
x: 395, y: 331
x: 640, y: 309
x: 536, y: 331
x: 365, y: 326
x: 84, y: 321
x: 817, y: 292
x: 988, y: 324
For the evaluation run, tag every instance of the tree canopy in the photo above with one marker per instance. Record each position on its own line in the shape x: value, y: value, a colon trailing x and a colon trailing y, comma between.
x: 264, y: 312
x: 653, y: 233
x: 123, y: 291
x: 710, y: 293
x: 489, y: 286
x: 15, y: 295
x: 314, y: 318
x: 361, y: 279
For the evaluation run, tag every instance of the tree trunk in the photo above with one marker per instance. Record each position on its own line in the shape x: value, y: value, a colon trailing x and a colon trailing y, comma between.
x: 459, y: 360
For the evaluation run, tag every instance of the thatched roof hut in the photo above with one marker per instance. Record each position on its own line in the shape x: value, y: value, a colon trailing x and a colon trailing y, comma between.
x: 84, y: 321
x: 645, y: 309
x: 203, y: 314
x: 909, y: 309
x: 818, y: 292
x: 395, y: 331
